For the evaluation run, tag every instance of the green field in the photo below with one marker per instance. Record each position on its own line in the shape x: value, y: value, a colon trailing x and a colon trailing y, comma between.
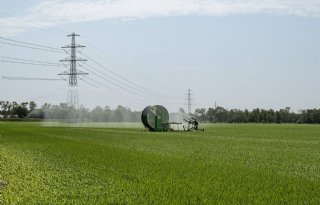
x: 98, y: 164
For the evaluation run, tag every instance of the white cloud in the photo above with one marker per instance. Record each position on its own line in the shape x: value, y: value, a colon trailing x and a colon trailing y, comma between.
x: 55, y: 12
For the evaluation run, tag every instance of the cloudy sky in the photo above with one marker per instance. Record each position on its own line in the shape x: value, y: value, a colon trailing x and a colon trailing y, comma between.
x: 238, y: 53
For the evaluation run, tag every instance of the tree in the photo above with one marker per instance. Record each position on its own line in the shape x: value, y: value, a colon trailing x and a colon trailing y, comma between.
x: 211, y: 115
x: 97, y: 114
x: 20, y: 110
x: 32, y: 106
x: 255, y: 115
x: 201, y: 114
x: 118, y: 116
x: 221, y: 114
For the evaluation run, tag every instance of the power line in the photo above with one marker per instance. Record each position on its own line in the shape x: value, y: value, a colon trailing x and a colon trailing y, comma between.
x: 108, y: 75
x: 33, y: 61
x: 30, y: 63
x: 101, y: 84
x: 24, y: 78
x: 90, y: 83
x: 34, y: 48
x: 123, y: 88
x: 106, y: 68
x: 133, y: 91
x: 31, y: 44
x: 111, y: 98
x: 138, y: 101
x: 136, y: 86
x: 119, y: 64
x: 116, y: 83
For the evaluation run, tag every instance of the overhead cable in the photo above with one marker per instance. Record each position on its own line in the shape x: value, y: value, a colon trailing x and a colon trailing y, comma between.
x: 31, y: 44
x: 33, y: 61
x: 128, y: 81
x: 30, y: 63
x: 24, y: 78
x: 30, y: 47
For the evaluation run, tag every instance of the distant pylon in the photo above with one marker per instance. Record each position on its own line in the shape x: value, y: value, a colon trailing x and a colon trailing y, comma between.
x: 72, y: 74
x: 73, y: 99
x: 189, y: 101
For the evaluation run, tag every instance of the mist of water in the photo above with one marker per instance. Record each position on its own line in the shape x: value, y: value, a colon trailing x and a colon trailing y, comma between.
x: 66, y: 116
x: 179, y: 117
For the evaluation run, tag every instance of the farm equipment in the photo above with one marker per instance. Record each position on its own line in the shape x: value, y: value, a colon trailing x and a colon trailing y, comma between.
x: 156, y: 118
x: 192, y: 125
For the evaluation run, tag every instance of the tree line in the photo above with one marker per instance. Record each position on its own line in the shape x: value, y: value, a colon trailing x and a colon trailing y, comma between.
x: 218, y: 114
x: 16, y: 110
x: 222, y: 115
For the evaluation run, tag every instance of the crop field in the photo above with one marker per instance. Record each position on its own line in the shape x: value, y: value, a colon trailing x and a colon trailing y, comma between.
x: 108, y: 164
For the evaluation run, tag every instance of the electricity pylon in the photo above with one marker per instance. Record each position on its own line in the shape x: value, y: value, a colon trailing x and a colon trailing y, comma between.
x: 189, y: 100
x: 72, y: 74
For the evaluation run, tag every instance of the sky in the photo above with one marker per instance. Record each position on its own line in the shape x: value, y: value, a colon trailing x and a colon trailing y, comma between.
x: 235, y: 53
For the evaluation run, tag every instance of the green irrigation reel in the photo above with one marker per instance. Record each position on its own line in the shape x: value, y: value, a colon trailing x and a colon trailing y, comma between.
x: 155, y: 118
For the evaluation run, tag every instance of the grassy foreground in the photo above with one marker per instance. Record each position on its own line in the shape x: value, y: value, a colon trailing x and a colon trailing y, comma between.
x: 227, y: 164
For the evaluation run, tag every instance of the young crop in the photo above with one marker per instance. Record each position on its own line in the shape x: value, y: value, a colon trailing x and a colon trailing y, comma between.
x: 227, y: 164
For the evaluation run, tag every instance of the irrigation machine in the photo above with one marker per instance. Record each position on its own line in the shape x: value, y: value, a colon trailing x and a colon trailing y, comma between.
x: 156, y: 119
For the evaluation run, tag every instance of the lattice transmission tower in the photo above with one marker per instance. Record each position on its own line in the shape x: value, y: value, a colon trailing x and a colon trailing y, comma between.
x: 72, y: 74
x: 189, y: 100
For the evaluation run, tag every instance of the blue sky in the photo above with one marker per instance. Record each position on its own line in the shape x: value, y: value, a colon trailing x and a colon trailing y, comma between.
x: 241, y: 54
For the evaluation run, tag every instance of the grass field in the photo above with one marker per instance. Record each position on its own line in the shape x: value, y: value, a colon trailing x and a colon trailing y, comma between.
x: 226, y: 164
